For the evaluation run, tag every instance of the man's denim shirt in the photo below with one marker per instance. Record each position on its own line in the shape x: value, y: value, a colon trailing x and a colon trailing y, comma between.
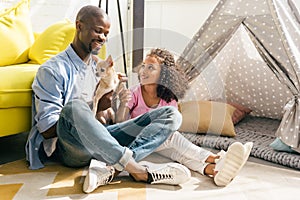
x: 48, y: 98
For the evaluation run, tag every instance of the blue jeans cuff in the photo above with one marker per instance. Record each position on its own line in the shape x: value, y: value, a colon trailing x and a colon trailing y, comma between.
x: 124, y: 160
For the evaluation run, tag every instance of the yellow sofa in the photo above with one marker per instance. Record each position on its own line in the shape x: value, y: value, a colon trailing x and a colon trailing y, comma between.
x: 21, y: 54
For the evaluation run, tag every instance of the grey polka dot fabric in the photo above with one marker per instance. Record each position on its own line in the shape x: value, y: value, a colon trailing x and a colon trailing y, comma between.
x: 248, y: 52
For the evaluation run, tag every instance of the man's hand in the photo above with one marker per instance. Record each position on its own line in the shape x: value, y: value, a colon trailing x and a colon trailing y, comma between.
x: 106, y: 116
x: 50, y: 133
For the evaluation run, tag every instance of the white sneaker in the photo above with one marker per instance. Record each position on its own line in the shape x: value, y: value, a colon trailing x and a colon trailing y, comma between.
x: 231, y: 163
x: 98, y: 174
x: 167, y: 173
x: 248, y: 147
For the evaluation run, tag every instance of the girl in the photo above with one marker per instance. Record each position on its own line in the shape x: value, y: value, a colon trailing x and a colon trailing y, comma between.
x: 162, y: 83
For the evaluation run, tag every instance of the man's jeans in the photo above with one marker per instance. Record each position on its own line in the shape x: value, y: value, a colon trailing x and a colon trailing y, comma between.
x: 81, y: 137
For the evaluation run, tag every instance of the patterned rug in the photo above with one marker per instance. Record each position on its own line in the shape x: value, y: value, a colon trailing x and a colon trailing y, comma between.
x: 254, y: 182
x: 57, y: 181
x: 260, y: 131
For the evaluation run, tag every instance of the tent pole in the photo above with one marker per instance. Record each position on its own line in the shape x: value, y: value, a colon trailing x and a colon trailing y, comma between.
x: 138, y: 33
x: 122, y: 37
x: 121, y: 31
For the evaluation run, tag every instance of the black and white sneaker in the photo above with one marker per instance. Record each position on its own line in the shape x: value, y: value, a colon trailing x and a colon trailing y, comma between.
x: 166, y: 173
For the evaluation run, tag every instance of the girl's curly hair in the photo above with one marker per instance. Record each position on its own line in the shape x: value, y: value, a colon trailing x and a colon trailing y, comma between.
x: 172, y: 83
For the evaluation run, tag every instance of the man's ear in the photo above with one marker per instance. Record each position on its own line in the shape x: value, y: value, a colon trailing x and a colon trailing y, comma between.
x: 78, y: 25
x: 110, y: 61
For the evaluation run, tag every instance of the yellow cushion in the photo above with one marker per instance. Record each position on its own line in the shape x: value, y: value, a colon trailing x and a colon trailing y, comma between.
x: 16, y: 36
x: 102, y: 52
x: 15, y: 85
x: 207, y: 117
x: 53, y: 40
x: 15, y: 120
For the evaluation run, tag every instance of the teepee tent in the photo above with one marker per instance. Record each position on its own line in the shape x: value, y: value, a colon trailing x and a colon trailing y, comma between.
x: 248, y: 52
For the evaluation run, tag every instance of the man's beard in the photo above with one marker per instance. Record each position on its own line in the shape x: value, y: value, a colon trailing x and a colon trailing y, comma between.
x: 94, y: 51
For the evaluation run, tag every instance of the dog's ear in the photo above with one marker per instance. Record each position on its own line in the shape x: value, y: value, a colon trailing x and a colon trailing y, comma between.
x: 110, y: 61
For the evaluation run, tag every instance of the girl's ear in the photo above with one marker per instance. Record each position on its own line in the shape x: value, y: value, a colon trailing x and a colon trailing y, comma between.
x: 110, y: 61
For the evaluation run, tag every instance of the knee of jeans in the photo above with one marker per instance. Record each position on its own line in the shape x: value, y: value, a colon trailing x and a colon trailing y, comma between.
x: 176, y: 117
x: 74, y: 105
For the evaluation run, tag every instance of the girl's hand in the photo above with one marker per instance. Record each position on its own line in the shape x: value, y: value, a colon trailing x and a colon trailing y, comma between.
x: 122, y: 77
x: 124, y: 97
x: 122, y: 93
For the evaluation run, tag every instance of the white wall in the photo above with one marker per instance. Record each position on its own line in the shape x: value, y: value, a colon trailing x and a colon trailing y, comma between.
x: 172, y: 23
x: 44, y: 12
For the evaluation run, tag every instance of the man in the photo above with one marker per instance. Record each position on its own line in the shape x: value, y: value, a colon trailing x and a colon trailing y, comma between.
x: 65, y: 127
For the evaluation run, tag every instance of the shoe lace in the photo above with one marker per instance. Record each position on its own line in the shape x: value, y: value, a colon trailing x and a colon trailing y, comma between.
x: 103, y: 180
x: 161, y: 175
